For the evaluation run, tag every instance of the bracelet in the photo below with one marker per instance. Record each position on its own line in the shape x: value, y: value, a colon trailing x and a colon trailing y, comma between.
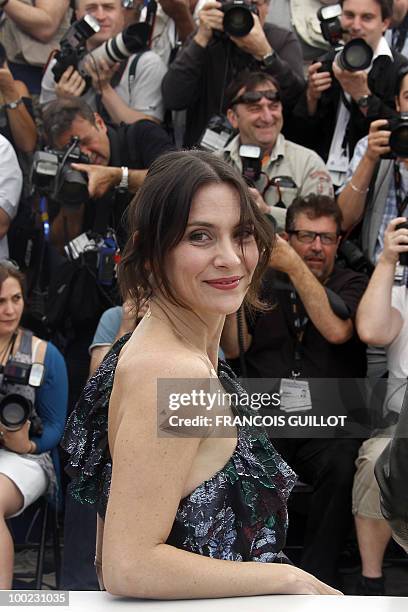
x: 14, y: 104
x: 356, y: 189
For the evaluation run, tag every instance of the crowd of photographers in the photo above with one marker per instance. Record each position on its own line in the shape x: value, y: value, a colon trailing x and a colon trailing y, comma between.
x: 308, y: 100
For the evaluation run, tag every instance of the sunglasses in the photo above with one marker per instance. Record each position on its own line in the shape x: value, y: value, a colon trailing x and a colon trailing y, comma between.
x: 251, y: 97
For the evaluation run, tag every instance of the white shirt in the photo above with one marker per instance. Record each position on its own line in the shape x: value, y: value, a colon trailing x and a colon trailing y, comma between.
x: 11, y: 183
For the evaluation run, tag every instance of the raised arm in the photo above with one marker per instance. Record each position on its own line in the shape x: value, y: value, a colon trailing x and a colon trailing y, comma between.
x: 377, y: 321
x: 149, y: 479
x: 352, y: 199
x: 312, y: 294
x: 40, y: 21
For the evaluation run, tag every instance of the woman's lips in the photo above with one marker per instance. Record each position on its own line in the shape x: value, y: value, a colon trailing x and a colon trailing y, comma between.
x: 225, y: 284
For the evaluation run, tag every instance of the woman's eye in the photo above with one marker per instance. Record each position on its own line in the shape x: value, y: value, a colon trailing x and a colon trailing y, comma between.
x: 199, y: 236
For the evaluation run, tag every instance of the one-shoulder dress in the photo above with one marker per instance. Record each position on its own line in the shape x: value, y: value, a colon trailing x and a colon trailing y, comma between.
x: 239, y: 514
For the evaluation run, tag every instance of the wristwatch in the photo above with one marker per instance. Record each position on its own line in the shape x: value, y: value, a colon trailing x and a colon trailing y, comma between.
x: 268, y: 59
x: 363, y: 102
x: 14, y: 104
x: 124, y: 181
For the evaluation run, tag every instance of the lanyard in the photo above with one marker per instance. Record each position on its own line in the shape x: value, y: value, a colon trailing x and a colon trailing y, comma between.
x: 300, y: 326
x: 401, y: 203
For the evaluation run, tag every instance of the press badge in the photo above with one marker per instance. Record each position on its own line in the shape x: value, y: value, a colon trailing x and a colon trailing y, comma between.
x: 294, y: 395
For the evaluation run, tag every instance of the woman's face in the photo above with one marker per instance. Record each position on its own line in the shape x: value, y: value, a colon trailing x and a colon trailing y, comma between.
x: 11, y: 305
x: 208, y: 269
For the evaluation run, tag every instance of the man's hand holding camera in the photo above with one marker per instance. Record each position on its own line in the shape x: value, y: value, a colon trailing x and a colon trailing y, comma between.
x: 101, y: 74
x: 317, y: 83
x: 353, y: 83
x: 210, y: 19
x: 395, y: 241
x: 255, y: 43
x: 378, y: 140
x: 284, y: 258
x: 71, y: 83
x: 17, y: 441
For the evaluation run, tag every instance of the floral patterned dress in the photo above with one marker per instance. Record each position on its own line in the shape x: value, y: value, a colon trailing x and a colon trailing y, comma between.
x: 239, y: 514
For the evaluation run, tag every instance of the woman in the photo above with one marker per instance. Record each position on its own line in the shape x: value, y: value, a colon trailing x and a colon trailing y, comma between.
x: 196, y: 240
x: 26, y: 461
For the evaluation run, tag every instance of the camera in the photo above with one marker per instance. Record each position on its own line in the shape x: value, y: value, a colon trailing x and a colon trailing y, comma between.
x: 15, y: 408
x: 217, y: 134
x: 73, y: 47
x: 53, y: 176
x: 399, y: 136
x: 100, y: 252
x: 251, y: 158
x: 403, y: 257
x: 73, y: 50
x: 352, y: 56
x: 238, y: 17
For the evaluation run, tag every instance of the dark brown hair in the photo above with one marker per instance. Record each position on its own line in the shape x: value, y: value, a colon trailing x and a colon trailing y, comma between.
x: 313, y: 206
x: 157, y: 218
x: 249, y: 80
x: 59, y: 115
x: 9, y: 270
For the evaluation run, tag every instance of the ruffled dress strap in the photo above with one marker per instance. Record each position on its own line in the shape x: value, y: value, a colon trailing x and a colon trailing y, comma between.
x: 86, y: 435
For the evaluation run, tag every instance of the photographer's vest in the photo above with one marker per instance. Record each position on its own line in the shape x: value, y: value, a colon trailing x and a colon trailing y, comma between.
x: 22, y: 48
x: 375, y: 206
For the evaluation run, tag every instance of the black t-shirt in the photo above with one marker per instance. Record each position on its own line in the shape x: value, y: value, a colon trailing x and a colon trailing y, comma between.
x: 136, y: 146
x: 271, y: 354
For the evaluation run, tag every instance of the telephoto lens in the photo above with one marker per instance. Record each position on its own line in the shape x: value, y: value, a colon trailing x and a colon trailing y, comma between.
x: 238, y: 17
x: 15, y: 410
x: 403, y: 257
x: 133, y: 39
x: 355, y: 55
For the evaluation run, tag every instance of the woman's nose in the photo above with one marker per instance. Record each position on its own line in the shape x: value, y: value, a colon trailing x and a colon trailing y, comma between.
x: 229, y: 254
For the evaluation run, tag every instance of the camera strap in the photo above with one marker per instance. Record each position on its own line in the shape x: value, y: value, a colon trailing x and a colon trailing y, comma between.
x: 300, y: 324
x: 400, y: 201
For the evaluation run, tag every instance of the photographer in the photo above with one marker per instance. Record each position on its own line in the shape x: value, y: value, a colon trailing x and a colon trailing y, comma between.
x: 375, y: 189
x: 345, y: 101
x: 382, y: 319
x: 197, y: 78
x: 28, y: 453
x: 127, y: 92
x: 111, y: 152
x: 285, y: 170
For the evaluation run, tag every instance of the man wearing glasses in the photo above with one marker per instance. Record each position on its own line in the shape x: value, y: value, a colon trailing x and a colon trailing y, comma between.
x: 308, y: 333
x: 209, y: 60
x: 287, y: 170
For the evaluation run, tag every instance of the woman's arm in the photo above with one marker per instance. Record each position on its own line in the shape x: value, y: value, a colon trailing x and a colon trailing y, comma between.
x: 40, y: 21
x: 377, y: 321
x: 148, y: 481
x: 51, y: 400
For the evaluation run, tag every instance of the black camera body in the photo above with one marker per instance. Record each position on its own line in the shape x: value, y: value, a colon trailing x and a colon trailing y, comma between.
x: 353, y: 56
x: 15, y: 408
x: 399, y: 137
x: 53, y: 176
x: 403, y: 257
x: 73, y: 48
x: 238, y: 17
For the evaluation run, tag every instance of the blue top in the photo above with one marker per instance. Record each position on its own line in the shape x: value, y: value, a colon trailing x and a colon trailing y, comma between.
x: 108, y: 327
x: 51, y: 400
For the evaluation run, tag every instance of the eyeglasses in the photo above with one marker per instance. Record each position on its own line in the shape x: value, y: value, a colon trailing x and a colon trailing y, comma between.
x: 251, y: 97
x: 327, y: 238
